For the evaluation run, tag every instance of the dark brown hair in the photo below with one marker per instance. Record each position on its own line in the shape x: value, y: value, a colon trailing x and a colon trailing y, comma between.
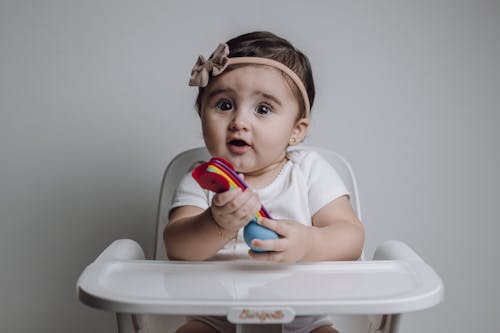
x: 265, y: 44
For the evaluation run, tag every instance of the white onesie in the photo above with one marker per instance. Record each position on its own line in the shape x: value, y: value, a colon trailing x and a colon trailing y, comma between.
x: 306, y: 183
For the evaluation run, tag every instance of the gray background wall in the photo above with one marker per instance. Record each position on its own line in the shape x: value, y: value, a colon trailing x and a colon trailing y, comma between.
x: 94, y: 103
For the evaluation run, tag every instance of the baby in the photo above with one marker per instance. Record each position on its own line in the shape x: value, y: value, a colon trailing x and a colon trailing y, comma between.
x: 254, y: 102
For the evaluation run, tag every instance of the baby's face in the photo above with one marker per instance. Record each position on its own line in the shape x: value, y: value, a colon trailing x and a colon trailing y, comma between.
x: 249, y: 115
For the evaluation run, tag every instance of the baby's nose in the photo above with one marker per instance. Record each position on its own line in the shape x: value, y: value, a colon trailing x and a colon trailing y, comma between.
x: 239, y: 122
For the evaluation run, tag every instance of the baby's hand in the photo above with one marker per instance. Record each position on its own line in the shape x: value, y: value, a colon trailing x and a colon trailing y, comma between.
x: 233, y: 209
x: 294, y: 243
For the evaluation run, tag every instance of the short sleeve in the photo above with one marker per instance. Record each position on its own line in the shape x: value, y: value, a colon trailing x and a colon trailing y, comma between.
x: 189, y: 193
x: 323, y: 182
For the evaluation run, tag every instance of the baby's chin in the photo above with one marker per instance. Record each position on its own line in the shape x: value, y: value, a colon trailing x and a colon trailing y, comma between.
x: 241, y: 167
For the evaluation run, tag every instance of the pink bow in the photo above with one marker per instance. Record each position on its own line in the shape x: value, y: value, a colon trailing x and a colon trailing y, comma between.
x: 202, y: 68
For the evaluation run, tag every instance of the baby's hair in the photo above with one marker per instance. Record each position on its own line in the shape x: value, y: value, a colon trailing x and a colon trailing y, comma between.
x: 265, y: 44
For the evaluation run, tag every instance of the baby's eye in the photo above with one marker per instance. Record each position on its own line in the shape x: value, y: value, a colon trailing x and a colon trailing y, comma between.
x: 224, y: 105
x: 264, y: 109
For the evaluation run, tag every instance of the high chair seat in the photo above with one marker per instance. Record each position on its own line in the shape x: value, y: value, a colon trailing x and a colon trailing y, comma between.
x: 251, y: 293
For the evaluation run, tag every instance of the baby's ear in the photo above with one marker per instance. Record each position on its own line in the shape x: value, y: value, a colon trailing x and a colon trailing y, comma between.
x: 299, y: 131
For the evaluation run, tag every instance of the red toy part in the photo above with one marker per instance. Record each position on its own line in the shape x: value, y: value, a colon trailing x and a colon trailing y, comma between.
x: 209, y: 180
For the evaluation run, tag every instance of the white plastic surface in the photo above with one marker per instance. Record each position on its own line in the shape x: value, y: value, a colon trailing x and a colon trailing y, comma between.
x: 214, y: 288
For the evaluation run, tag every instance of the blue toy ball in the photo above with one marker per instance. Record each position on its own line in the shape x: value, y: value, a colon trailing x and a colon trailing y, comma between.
x: 253, y: 230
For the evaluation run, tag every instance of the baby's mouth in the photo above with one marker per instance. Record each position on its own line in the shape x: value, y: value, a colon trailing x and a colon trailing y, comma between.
x: 238, y: 143
x: 238, y: 146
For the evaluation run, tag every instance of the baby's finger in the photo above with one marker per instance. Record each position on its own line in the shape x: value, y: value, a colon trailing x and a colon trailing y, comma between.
x: 274, y: 245
x: 243, y: 203
x: 277, y: 226
x: 221, y: 199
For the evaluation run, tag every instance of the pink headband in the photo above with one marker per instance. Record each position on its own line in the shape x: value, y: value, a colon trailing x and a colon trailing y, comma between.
x: 218, y: 63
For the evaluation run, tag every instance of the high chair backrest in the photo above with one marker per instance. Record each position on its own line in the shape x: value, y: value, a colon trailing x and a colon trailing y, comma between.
x: 185, y: 161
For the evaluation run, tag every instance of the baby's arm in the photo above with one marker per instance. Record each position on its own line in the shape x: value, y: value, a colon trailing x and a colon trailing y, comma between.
x: 339, y: 235
x: 196, y: 234
x: 336, y: 234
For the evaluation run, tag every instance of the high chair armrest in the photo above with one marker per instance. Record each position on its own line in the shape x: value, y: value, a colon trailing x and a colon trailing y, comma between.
x: 121, y: 249
x: 395, y: 250
x: 118, y: 251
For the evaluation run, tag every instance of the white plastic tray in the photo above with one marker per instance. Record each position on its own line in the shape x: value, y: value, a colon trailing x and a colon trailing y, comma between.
x: 217, y: 288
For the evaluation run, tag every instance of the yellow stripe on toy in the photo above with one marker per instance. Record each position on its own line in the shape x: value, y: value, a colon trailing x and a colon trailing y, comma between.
x: 217, y: 170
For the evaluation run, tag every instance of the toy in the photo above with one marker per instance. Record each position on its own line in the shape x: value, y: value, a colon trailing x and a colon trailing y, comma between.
x: 218, y: 175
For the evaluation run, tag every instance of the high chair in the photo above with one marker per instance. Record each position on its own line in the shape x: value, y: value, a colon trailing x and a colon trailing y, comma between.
x: 155, y: 295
